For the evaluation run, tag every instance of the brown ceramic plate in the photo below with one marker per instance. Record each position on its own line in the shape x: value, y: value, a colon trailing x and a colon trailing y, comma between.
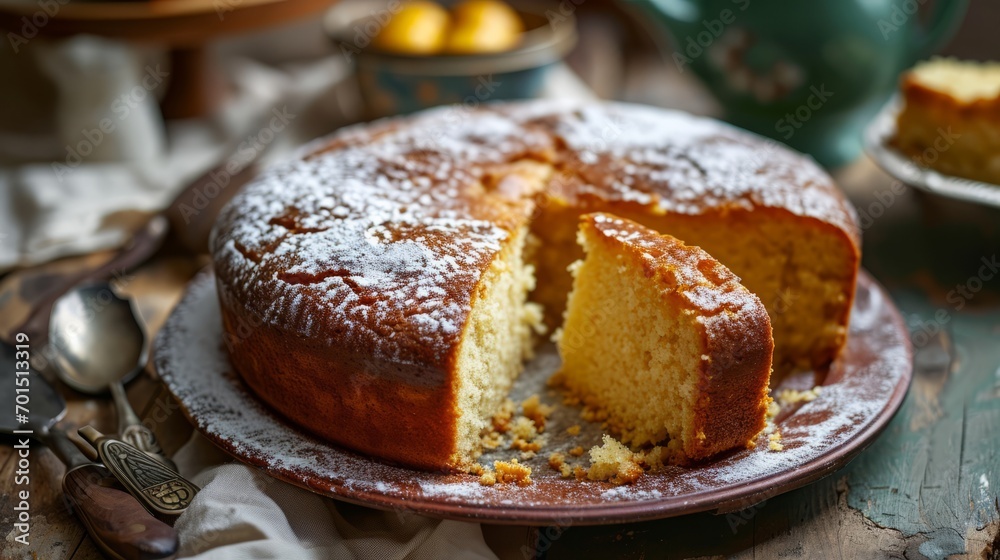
x: 862, y: 391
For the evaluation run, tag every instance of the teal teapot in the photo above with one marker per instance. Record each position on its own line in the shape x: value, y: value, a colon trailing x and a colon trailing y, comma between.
x: 810, y: 74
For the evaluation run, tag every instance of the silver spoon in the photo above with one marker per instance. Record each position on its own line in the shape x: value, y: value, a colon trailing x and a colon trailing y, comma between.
x: 98, y: 345
x: 116, y: 521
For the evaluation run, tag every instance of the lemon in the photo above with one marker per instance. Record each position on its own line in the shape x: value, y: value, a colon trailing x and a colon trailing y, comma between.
x: 418, y: 28
x: 483, y: 26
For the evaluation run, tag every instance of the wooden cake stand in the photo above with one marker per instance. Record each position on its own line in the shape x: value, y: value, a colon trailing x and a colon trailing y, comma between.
x: 185, y: 26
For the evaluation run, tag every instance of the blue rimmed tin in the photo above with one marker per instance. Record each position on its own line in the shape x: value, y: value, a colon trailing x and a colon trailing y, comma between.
x: 394, y: 83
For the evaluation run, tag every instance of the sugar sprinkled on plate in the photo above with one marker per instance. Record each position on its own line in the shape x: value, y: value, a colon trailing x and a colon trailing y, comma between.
x: 190, y: 356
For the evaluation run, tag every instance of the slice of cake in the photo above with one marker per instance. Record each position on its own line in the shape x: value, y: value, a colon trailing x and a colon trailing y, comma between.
x: 665, y: 341
x: 950, y: 119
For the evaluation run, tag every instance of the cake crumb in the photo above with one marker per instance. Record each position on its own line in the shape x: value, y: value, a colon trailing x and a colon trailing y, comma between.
x: 525, y: 445
x: 513, y: 471
x: 476, y: 469
x: 524, y: 428
x: 615, y: 462
x: 774, y: 441
x: 492, y: 440
x: 525, y: 435
x: 573, y: 430
x: 580, y: 473
x: 773, y: 408
x: 556, y: 460
x: 576, y: 451
x: 527, y: 455
x: 556, y: 336
x: 501, y: 420
x: 536, y: 411
x: 660, y: 456
x: 593, y: 414
x: 488, y: 478
x: 534, y: 315
x: 791, y: 396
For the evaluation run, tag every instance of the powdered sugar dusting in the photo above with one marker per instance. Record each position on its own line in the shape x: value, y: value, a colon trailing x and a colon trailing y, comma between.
x: 862, y: 392
x: 388, y: 227
x: 384, y: 233
x: 470, y: 489
x: 627, y: 493
x: 686, y: 164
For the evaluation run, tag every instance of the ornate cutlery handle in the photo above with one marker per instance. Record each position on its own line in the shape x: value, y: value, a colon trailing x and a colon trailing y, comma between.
x: 163, y: 491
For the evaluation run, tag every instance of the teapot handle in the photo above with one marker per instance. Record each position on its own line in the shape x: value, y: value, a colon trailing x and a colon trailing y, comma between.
x: 944, y: 21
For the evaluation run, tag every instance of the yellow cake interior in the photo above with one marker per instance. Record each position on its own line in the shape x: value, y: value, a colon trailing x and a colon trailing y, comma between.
x: 635, y: 349
x: 796, y: 271
x: 496, y: 341
x: 966, y: 81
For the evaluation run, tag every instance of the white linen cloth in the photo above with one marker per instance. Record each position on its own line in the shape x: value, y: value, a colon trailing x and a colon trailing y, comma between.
x: 239, y: 513
x: 76, y: 188
x: 72, y: 190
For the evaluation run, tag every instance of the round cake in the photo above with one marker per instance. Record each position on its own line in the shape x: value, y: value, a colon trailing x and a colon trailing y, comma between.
x: 382, y: 289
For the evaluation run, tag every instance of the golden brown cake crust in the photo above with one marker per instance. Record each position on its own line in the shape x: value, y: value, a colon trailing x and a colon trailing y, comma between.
x: 934, y: 100
x: 346, y: 275
x: 735, y: 337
